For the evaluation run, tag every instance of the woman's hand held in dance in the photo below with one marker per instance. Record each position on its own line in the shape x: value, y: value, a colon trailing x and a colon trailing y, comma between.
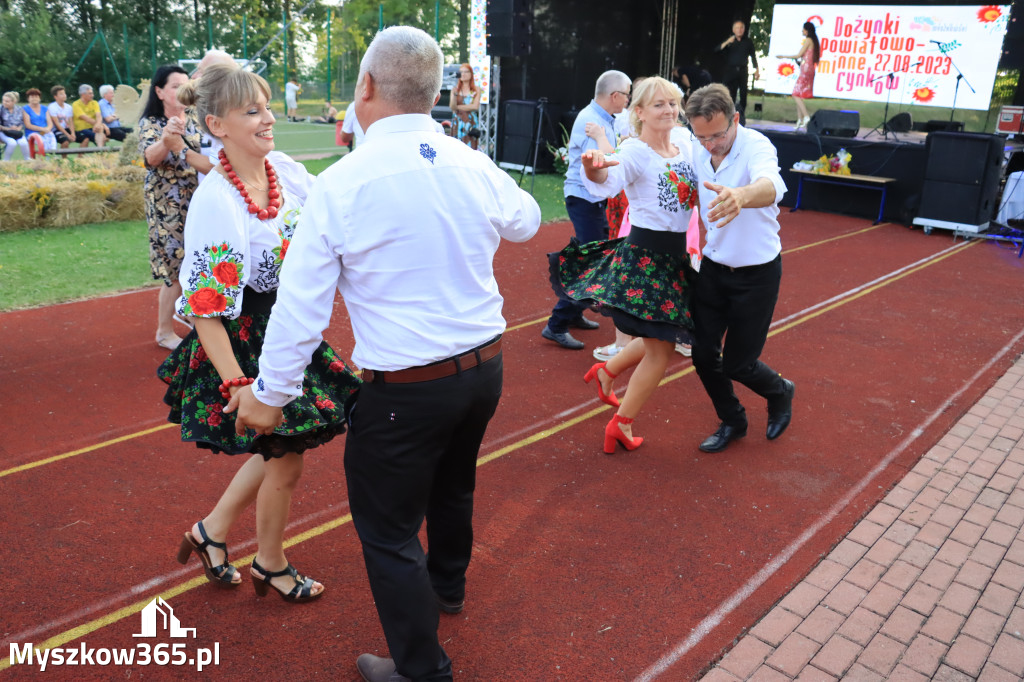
x: 725, y: 206
x: 253, y: 414
x: 172, y: 134
x: 596, y: 164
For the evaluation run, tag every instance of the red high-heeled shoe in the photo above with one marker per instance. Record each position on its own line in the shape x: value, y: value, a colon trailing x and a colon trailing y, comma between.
x: 613, y: 433
x: 610, y: 398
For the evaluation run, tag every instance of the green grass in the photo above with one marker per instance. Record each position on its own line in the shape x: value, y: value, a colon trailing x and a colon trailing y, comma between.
x: 45, y: 266
x: 49, y: 266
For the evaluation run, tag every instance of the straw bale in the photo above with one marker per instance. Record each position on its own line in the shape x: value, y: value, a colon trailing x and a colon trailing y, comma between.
x: 63, y: 192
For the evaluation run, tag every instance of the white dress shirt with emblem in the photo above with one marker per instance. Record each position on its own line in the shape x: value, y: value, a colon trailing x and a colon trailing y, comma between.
x: 406, y: 228
x: 752, y: 237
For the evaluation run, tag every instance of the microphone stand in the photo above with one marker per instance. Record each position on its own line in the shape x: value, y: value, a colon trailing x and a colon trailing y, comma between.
x: 943, y: 47
x: 884, y: 125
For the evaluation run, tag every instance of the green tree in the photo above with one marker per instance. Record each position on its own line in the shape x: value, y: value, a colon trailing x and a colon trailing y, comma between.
x: 40, y: 58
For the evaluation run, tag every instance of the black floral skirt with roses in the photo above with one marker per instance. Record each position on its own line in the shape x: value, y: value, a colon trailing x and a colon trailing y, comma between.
x: 641, y: 281
x: 196, y: 403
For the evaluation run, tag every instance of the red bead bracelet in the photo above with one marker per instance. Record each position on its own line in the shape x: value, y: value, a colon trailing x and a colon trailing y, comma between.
x: 225, y: 388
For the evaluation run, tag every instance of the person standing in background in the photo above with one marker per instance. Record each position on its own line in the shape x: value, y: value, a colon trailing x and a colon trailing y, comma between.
x: 291, y: 98
x: 810, y: 53
x: 737, y: 49
x: 169, y: 145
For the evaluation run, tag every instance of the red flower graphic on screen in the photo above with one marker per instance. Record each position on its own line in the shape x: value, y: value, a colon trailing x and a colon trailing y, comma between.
x: 989, y: 13
x: 786, y: 69
x: 924, y: 94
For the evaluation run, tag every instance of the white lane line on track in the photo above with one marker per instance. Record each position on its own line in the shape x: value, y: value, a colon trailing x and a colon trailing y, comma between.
x: 729, y: 605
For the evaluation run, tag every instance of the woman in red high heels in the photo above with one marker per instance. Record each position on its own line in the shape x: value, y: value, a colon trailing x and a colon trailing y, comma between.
x: 639, y: 281
x: 237, y: 233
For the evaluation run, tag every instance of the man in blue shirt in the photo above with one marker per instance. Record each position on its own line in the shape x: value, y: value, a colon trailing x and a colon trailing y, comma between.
x: 110, y: 117
x: 586, y: 211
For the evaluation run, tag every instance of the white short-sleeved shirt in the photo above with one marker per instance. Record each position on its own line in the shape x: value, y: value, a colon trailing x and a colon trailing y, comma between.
x: 63, y: 115
x: 291, y: 92
x: 413, y: 259
x: 351, y: 124
x: 227, y: 248
x: 752, y: 237
x: 651, y: 182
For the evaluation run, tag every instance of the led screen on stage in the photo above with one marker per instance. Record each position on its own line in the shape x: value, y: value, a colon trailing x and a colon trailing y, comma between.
x: 924, y: 48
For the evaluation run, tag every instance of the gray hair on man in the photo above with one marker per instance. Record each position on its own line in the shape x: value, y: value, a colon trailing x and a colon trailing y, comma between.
x: 611, y: 81
x: 84, y: 88
x: 212, y: 57
x: 405, y: 64
x: 105, y: 88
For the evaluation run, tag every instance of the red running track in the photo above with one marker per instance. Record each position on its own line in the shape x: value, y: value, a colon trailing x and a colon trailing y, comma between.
x: 586, y: 567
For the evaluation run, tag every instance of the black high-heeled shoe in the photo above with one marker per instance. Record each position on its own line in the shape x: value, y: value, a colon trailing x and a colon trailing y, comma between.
x: 301, y: 592
x: 222, y: 575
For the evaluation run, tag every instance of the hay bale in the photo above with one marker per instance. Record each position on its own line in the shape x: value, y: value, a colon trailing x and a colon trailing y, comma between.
x: 63, y: 192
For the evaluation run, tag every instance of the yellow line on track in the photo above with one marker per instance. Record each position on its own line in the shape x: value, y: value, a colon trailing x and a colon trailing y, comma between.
x: 120, y: 614
x: 82, y: 451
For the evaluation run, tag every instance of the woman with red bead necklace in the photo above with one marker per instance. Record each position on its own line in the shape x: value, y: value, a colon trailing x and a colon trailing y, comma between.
x: 237, y: 232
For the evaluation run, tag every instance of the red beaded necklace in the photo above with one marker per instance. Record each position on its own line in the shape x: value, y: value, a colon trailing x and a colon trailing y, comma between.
x: 273, y: 196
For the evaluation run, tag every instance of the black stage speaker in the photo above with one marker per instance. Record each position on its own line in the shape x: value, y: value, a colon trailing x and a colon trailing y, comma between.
x: 900, y: 123
x: 961, y: 177
x: 509, y: 27
x: 520, y: 125
x: 834, y: 123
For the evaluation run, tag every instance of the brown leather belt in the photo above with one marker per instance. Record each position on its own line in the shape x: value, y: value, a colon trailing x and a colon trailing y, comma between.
x: 437, y: 370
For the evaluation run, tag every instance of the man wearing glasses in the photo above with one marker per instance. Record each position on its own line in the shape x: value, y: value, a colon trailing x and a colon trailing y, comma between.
x: 586, y: 211
x: 738, y: 285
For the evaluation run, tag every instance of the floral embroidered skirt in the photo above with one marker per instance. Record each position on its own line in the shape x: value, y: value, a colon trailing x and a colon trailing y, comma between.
x: 196, y: 403
x: 641, y: 282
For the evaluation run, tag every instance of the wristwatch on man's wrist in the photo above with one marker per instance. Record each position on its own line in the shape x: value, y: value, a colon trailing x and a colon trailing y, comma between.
x: 182, y: 153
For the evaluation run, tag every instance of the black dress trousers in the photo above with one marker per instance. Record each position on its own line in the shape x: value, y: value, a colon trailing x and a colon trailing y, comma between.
x: 737, y: 303
x: 410, y: 455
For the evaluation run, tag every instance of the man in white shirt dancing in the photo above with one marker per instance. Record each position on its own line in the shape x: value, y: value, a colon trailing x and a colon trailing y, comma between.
x: 738, y: 285
x: 414, y: 262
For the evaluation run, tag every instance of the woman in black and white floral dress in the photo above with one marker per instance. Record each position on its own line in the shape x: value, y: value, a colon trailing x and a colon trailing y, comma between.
x: 639, y: 281
x: 237, y: 233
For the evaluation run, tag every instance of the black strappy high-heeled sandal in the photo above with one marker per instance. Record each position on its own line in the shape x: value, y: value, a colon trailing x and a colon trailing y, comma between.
x: 222, y: 575
x: 301, y: 592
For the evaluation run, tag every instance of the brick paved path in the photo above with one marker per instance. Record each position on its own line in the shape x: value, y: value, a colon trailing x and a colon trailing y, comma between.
x: 928, y: 586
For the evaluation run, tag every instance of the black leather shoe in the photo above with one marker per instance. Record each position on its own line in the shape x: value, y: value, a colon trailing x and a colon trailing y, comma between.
x: 583, y: 323
x: 718, y: 441
x: 563, y: 339
x: 451, y: 606
x: 376, y: 669
x: 780, y: 411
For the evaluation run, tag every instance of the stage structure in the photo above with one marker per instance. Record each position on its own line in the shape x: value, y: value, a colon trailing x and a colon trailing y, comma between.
x: 571, y: 42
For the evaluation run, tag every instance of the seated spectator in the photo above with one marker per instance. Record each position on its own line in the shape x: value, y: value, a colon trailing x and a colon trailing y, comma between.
x: 329, y: 115
x: 37, y: 120
x: 62, y: 114
x: 88, y: 121
x: 109, y: 114
x: 12, y: 127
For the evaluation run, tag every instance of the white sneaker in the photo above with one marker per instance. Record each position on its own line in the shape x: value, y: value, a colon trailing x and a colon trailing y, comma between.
x: 683, y: 349
x: 606, y: 353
